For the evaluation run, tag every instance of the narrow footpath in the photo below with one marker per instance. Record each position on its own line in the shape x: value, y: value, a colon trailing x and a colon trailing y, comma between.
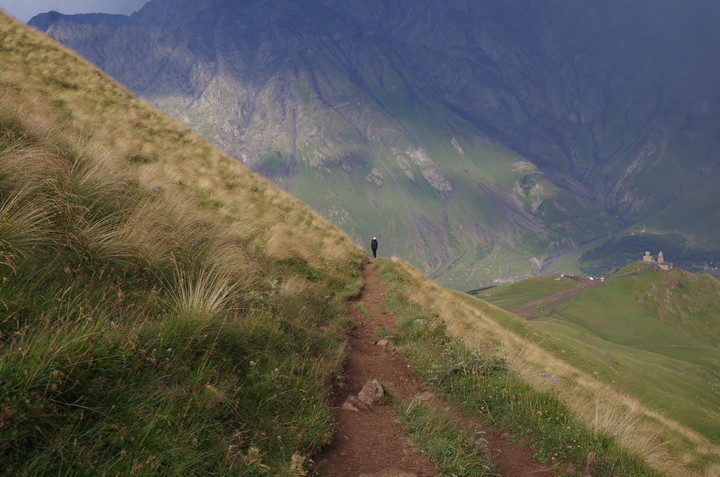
x: 369, y: 442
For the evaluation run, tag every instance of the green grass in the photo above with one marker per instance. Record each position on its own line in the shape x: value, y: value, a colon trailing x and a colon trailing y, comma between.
x: 142, y: 335
x: 363, y: 309
x: 455, y: 450
x: 526, y: 291
x: 485, y: 387
x: 651, y: 334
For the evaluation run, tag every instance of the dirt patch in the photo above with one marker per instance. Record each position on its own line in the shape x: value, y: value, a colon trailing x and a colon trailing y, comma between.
x: 372, y: 442
x: 532, y: 310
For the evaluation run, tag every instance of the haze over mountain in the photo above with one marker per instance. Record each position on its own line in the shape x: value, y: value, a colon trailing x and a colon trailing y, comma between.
x: 476, y: 139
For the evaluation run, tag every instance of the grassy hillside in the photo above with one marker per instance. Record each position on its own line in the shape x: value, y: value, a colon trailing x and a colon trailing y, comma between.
x: 164, y: 311
x: 653, y: 334
x: 583, y: 372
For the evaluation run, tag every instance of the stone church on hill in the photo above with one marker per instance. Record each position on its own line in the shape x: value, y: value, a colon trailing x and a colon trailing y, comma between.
x: 660, y: 262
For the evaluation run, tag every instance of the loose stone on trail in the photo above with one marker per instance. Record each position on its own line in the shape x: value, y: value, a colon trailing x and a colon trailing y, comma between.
x: 371, y: 392
x: 352, y: 403
x: 367, y: 396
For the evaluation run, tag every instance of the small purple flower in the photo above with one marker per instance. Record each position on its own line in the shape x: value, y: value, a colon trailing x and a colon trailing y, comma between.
x: 555, y: 379
x: 543, y: 375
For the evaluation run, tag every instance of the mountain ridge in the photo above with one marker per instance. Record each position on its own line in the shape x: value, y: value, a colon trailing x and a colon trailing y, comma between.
x: 399, y: 97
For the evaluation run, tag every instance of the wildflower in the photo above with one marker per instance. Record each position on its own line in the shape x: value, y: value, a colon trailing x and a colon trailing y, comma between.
x: 555, y: 379
x: 543, y: 375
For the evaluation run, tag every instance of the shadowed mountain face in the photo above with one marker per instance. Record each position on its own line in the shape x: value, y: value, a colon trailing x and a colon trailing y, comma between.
x: 475, y: 138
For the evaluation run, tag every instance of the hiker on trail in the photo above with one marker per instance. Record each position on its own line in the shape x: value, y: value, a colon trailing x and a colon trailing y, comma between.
x: 374, y: 246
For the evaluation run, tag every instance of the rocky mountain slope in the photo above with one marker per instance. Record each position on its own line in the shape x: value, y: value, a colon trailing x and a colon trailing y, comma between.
x: 476, y: 139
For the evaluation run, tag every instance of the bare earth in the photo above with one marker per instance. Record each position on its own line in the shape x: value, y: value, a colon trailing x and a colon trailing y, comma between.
x: 371, y: 443
x: 532, y: 310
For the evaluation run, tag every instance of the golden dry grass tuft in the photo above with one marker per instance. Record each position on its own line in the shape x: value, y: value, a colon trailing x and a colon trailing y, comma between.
x: 23, y: 225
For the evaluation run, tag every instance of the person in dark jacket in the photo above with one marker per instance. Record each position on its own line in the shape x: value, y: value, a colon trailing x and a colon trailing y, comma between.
x: 374, y: 246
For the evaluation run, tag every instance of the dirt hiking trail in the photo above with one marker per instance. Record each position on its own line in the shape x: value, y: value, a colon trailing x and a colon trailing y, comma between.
x: 369, y: 442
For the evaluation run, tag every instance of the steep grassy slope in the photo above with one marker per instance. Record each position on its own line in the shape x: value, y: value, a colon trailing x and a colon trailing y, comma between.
x: 653, y: 335
x: 164, y: 311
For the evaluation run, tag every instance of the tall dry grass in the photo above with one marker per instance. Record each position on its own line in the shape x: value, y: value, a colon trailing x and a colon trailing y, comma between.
x: 101, y: 118
x: 200, y: 293
x: 167, y: 311
x: 23, y: 226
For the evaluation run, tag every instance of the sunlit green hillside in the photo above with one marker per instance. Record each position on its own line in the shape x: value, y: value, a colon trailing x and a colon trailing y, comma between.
x: 653, y: 334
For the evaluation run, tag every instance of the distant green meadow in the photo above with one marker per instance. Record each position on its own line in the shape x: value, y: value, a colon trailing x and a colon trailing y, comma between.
x: 652, y: 335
